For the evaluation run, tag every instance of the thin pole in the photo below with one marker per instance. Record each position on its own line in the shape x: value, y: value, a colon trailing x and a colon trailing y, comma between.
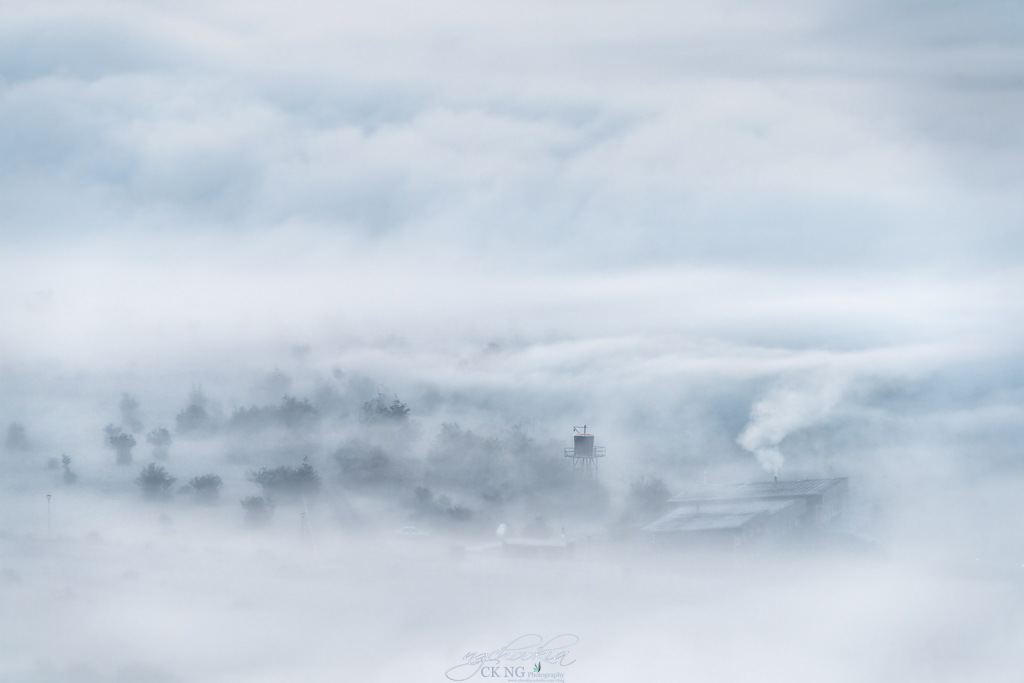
x: 48, y: 525
x: 302, y: 526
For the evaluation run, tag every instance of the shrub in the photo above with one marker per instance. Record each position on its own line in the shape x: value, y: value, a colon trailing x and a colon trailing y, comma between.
x: 206, y: 487
x: 378, y: 410
x: 288, y: 482
x: 121, y: 443
x: 194, y: 418
x: 155, y: 481
x: 69, y: 476
x: 292, y: 413
x: 160, y: 440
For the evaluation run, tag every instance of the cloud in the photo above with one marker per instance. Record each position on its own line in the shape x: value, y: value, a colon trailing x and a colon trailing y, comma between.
x: 695, y: 132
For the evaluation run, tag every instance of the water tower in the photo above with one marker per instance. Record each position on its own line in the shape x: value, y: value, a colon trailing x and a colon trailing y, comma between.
x: 584, y: 453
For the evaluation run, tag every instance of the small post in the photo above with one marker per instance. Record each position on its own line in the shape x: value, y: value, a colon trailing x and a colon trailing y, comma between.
x: 48, y: 525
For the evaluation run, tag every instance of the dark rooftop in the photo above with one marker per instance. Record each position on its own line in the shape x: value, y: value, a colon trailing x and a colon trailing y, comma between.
x: 718, y: 515
x: 762, y: 489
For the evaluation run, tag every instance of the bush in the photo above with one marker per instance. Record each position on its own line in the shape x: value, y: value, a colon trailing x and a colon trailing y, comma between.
x: 195, y: 418
x: 160, y: 440
x: 292, y: 413
x: 207, y: 487
x: 379, y: 410
x: 288, y: 482
x: 258, y: 510
x: 155, y: 481
x: 69, y: 476
x: 121, y: 443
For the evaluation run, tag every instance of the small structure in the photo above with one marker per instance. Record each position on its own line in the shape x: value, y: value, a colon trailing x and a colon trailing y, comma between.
x: 584, y: 453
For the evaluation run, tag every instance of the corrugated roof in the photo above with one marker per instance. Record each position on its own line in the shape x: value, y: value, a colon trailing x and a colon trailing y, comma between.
x: 702, y: 522
x: 717, y: 516
x: 762, y: 489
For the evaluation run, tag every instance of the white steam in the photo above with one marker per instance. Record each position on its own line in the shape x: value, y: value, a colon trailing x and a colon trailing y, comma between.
x: 784, y: 409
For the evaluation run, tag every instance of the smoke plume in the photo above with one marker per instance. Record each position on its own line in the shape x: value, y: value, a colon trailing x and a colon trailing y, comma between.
x: 783, y: 410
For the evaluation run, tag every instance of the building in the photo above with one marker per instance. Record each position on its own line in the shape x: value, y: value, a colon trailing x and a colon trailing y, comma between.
x: 741, y: 513
x: 727, y: 523
x: 823, y: 498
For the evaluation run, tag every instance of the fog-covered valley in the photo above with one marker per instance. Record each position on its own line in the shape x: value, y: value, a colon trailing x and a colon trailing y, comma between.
x: 304, y: 308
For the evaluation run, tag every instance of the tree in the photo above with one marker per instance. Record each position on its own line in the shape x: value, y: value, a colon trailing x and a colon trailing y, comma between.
x: 195, y: 417
x: 121, y: 443
x: 292, y: 413
x: 288, y: 482
x: 296, y: 414
x: 69, y: 476
x: 155, y: 481
x: 258, y: 510
x: 160, y: 439
x: 207, y: 487
x: 378, y: 409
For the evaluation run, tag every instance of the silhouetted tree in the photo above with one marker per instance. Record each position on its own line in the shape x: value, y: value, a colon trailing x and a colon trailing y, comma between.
x: 207, y: 487
x: 288, y: 482
x: 194, y: 418
x: 69, y: 476
x: 378, y: 409
x: 258, y: 510
x: 155, y: 481
x: 160, y: 439
x: 295, y: 414
x: 292, y: 413
x: 121, y: 443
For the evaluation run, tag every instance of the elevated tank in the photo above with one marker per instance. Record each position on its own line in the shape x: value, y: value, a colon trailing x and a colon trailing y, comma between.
x: 583, y: 445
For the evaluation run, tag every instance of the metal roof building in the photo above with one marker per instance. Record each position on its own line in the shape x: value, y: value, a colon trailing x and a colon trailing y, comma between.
x: 727, y: 523
x: 822, y: 498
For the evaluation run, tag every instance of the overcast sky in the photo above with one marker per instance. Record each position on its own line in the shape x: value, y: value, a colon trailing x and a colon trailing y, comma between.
x: 632, y: 192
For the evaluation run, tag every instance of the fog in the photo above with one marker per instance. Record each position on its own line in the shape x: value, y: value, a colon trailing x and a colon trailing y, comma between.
x: 301, y: 304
